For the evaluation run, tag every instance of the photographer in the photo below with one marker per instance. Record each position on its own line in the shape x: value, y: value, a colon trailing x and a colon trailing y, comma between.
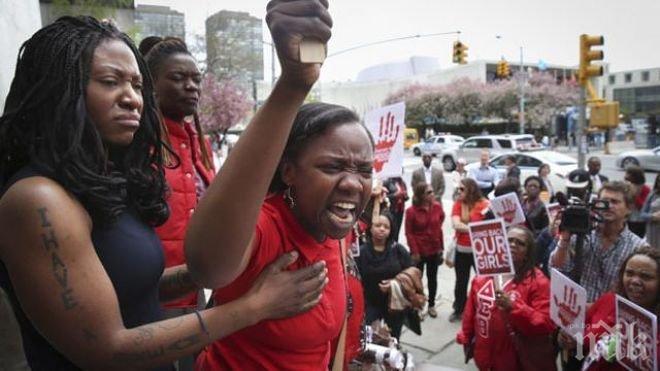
x: 606, y: 247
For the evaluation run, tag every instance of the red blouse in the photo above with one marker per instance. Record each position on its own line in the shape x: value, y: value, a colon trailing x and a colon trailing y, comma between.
x: 302, y: 342
x: 424, y: 229
x: 476, y: 215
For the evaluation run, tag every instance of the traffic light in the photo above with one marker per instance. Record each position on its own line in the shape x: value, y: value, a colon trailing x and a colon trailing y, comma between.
x: 604, y: 115
x: 460, y: 53
x: 503, y: 69
x: 588, y: 70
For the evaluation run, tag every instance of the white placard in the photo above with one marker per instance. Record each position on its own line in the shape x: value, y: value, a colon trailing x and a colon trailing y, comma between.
x: 490, y: 248
x: 636, y: 348
x: 386, y: 125
x: 508, y: 208
x: 568, y: 304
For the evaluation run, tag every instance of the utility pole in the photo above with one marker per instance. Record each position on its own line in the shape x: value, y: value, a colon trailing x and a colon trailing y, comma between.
x: 522, y: 93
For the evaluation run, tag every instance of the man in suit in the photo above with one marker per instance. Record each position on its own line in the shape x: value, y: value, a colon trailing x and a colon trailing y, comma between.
x: 597, y: 180
x: 429, y: 175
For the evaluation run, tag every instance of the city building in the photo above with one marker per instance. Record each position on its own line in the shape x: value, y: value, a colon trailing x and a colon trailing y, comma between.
x: 637, y: 91
x: 234, y: 47
x: 155, y: 20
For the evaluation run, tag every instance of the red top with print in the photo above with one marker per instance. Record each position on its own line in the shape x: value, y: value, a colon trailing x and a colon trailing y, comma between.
x: 298, y: 343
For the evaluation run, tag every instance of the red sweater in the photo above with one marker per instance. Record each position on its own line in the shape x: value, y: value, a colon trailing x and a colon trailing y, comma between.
x: 182, y: 196
x: 424, y: 229
x: 486, y: 324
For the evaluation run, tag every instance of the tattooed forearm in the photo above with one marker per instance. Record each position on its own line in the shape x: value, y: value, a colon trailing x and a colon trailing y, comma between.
x: 183, y: 345
x: 59, y: 269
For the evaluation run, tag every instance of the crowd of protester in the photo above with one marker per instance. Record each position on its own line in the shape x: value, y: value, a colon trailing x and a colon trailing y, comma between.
x: 109, y: 187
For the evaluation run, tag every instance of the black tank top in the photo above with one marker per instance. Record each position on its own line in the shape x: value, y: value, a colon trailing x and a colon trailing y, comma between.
x: 132, y: 256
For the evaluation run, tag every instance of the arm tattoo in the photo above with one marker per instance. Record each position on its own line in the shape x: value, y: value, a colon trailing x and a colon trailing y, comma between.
x: 145, y: 355
x: 59, y: 269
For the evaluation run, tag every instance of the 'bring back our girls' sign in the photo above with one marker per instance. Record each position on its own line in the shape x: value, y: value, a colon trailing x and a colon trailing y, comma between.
x: 490, y: 247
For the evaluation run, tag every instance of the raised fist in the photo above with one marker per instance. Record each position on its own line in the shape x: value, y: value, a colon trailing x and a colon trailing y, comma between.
x: 290, y: 22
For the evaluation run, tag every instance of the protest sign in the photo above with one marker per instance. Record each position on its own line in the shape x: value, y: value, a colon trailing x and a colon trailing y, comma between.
x: 386, y: 125
x: 552, y: 210
x: 568, y: 303
x: 508, y: 208
x: 490, y: 247
x: 636, y: 348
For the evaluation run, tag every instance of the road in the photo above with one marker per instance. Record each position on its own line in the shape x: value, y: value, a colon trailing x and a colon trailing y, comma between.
x: 435, y: 349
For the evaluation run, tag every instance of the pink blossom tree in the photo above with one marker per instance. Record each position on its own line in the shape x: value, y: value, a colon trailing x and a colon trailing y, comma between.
x: 223, y: 104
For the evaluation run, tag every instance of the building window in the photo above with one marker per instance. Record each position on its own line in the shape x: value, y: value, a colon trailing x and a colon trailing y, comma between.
x: 627, y: 78
x: 612, y: 79
x: 645, y: 76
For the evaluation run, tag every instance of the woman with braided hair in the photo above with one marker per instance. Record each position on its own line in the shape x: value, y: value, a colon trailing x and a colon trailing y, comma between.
x: 177, y: 89
x: 81, y: 188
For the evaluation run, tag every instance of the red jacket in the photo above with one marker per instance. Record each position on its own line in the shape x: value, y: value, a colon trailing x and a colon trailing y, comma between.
x: 486, y: 324
x: 424, y: 229
x: 601, y: 317
x: 182, y: 196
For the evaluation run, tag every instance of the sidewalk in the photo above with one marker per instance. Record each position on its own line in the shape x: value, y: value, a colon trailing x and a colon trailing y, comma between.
x: 436, y: 349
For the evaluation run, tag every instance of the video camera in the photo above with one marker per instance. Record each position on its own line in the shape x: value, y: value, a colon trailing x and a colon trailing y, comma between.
x: 580, y: 212
x: 579, y: 217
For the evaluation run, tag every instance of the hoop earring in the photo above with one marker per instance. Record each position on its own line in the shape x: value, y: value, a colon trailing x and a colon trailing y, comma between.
x: 289, y: 197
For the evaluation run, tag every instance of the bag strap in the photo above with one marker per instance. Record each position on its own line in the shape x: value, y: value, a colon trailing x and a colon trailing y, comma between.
x: 338, y: 361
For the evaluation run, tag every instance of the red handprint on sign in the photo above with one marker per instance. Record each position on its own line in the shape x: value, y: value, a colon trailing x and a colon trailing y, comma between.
x: 568, y: 308
x: 385, y: 142
x: 508, y: 212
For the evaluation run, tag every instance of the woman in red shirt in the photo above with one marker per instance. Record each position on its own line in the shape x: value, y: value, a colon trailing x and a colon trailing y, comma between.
x: 635, y: 177
x: 521, y: 307
x: 639, y: 282
x: 177, y: 89
x: 470, y: 207
x: 424, y: 234
x: 321, y: 185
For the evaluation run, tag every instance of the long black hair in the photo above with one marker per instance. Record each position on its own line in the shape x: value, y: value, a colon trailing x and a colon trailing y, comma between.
x: 312, y: 120
x: 156, y: 51
x: 45, y: 123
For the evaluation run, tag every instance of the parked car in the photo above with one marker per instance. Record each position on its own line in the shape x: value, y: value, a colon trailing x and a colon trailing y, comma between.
x: 647, y: 159
x: 436, y: 144
x: 496, y: 144
x: 529, y: 162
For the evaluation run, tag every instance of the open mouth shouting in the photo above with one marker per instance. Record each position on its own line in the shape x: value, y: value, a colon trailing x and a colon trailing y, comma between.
x: 343, y: 214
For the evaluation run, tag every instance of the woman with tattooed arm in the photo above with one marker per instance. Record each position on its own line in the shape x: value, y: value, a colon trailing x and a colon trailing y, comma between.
x: 81, y: 188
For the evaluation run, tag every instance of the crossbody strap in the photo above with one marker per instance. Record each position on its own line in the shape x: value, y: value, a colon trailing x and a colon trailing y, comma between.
x: 338, y: 361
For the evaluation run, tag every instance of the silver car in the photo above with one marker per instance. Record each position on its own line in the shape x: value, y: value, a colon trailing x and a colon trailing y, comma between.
x: 436, y: 144
x: 647, y: 159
